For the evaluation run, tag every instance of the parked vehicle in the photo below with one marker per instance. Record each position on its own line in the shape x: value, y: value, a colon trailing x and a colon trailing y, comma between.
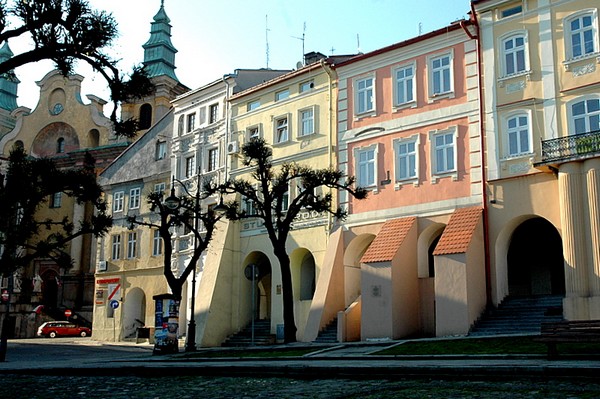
x: 54, y: 329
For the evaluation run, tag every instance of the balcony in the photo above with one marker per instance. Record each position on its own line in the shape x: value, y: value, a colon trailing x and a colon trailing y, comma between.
x: 570, y: 148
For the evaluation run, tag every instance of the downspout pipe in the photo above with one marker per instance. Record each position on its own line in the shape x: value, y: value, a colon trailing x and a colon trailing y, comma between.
x: 332, y: 130
x: 486, y: 238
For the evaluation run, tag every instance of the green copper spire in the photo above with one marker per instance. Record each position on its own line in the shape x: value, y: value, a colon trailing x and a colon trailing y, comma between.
x: 159, y: 53
x: 8, y: 82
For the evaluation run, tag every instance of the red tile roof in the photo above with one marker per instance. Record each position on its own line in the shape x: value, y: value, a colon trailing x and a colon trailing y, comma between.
x: 388, y: 240
x: 459, y: 232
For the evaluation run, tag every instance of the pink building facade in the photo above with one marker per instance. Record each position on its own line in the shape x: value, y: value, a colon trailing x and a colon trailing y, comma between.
x: 409, y: 131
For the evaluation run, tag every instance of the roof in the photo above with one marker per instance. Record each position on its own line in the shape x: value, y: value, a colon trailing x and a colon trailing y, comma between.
x: 459, y: 232
x: 388, y: 240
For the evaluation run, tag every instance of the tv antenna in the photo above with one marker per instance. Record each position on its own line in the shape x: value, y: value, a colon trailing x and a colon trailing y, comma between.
x: 302, y: 39
x: 358, y: 43
x: 267, y: 38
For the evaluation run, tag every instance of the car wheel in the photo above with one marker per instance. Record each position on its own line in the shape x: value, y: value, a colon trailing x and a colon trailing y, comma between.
x: 52, y: 334
x: 83, y: 334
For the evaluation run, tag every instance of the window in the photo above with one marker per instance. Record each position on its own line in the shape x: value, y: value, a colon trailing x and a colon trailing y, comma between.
x: 405, y: 84
x: 514, y: 55
x: 56, y: 200
x: 285, y: 200
x: 306, y: 86
x: 249, y: 206
x: 156, y: 243
x: 116, y: 247
x: 190, y: 166
x: 282, y: 95
x: 160, y: 188
x: 202, y: 116
x: 586, y: 116
x: 253, y: 133
x: 180, y: 123
x: 118, y: 198
x: 366, y: 166
x: 281, y: 130
x: 252, y: 105
x: 440, y: 75
x: 444, y: 150
x: 161, y: 150
x: 191, y: 122
x: 145, y: 116
x: 60, y: 145
x: 307, y: 122
x: 213, y: 158
x: 364, y: 95
x: 512, y: 11
x: 406, y: 158
x: 582, y: 35
x: 134, y: 198
x: 214, y: 113
x: 131, y: 244
x: 518, y: 134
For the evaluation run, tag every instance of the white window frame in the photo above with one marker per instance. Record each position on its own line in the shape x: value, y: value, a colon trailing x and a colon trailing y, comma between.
x: 434, y: 71
x: 213, y: 113
x: 190, y: 121
x: 249, y: 206
x: 250, y: 135
x: 118, y: 201
x: 161, y: 150
x: 517, y: 131
x: 56, y: 200
x: 115, y: 243
x: 252, y: 105
x: 586, y: 116
x: 212, y: 166
x: 445, y: 147
x: 132, y: 244
x: 282, y: 95
x: 306, y: 86
x: 157, y: 243
x: 134, y: 198
x: 277, y: 128
x: 569, y: 55
x: 405, y: 158
x: 404, y: 90
x: 512, y: 36
x: 359, y: 165
x: 301, y: 121
x: 160, y: 188
x: 367, y: 94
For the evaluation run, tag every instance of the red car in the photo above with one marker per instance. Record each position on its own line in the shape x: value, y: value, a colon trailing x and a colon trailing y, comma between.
x: 54, y: 329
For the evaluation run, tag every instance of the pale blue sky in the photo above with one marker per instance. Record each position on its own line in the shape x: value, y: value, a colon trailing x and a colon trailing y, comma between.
x: 214, y: 38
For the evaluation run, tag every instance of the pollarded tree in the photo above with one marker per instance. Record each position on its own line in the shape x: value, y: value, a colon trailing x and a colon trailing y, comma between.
x: 268, y: 190
x: 28, y: 186
x: 67, y: 31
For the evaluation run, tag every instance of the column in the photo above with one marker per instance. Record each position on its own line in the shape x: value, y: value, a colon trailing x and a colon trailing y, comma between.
x: 592, y: 173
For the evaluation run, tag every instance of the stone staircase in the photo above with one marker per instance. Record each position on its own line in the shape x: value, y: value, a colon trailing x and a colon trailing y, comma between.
x: 519, y: 315
x: 329, y: 333
x: 262, y: 335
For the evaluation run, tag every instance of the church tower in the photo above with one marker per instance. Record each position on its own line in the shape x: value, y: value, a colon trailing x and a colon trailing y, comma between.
x: 159, y: 62
x: 8, y: 93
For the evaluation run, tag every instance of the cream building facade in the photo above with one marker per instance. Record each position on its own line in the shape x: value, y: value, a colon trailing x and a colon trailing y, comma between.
x: 541, y: 104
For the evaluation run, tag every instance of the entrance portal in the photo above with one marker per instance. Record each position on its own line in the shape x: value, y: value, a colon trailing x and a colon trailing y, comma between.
x: 535, y: 260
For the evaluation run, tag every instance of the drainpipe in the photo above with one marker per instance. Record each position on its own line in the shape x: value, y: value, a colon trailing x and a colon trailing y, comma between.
x: 225, y: 169
x: 486, y: 239
x: 332, y: 131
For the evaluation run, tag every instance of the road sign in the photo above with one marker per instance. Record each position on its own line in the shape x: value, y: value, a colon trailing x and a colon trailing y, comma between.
x: 114, y: 304
x: 114, y: 291
x: 68, y: 313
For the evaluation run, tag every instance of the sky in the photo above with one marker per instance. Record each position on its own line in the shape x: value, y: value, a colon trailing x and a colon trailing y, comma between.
x: 214, y: 38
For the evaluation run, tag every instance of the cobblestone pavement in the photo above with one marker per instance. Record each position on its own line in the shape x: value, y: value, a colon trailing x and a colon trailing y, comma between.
x: 69, y: 387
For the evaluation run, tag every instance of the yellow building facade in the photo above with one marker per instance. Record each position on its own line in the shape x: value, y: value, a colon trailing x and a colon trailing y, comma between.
x: 541, y: 103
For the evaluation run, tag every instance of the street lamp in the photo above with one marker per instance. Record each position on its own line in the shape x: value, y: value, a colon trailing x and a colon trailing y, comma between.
x: 172, y: 203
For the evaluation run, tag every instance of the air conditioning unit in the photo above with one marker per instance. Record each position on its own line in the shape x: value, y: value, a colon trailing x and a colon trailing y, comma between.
x: 233, y: 147
x: 102, y: 266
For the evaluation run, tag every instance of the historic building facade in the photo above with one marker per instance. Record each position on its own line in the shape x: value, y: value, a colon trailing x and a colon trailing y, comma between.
x: 539, y: 63
x: 413, y: 251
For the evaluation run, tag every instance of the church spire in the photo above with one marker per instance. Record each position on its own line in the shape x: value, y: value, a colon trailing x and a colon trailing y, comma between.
x: 8, y: 82
x: 159, y: 52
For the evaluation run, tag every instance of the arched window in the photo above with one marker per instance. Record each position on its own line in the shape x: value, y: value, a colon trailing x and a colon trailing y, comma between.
x: 585, y: 116
x: 307, y: 277
x: 180, y: 125
x: 518, y: 132
x: 145, y: 116
x: 581, y: 34
x: 60, y: 145
x: 514, y: 54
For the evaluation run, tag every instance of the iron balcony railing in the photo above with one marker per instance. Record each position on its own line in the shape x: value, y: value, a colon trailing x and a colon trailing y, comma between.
x: 577, y: 146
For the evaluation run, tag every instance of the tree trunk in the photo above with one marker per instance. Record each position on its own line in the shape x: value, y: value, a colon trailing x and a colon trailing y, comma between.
x: 289, y: 324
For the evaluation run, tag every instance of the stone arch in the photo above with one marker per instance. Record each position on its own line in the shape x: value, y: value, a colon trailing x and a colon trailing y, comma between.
x: 263, y: 283
x: 534, y: 259
x: 134, y: 312
x: 352, y: 272
x: 425, y: 245
x: 50, y: 289
x: 93, y: 138
x: 44, y: 144
x: 304, y: 274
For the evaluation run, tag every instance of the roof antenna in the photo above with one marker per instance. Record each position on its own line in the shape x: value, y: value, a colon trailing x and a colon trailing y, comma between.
x: 358, y: 43
x: 267, y: 38
x: 302, y: 38
x: 420, y: 28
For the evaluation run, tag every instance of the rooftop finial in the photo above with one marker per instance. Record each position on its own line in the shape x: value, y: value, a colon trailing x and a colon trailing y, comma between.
x: 162, y: 3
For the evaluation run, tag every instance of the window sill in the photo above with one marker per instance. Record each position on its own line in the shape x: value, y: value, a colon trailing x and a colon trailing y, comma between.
x: 453, y: 174
x: 399, y: 183
x: 570, y: 62
x: 438, y: 96
x: 517, y: 156
x: 400, y: 107
x: 506, y: 78
x: 366, y: 114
